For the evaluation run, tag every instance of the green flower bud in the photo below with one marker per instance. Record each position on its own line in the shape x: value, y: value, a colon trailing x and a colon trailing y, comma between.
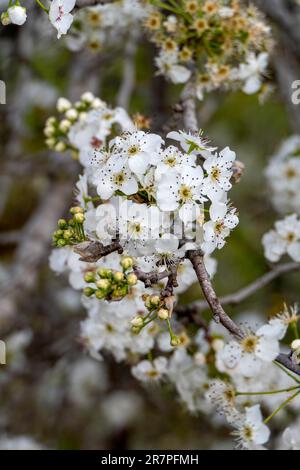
x: 104, y: 273
x: 118, y: 276
x: 88, y: 291
x: 62, y: 223
x: 103, y: 284
x: 89, y: 276
x: 154, y: 300
x: 68, y: 234
x: 175, y: 341
x: 100, y: 294
x: 61, y: 242
x: 127, y: 262
x: 132, y: 279
x: 79, y: 218
x: 135, y: 330
x: 137, y: 321
x: 77, y: 210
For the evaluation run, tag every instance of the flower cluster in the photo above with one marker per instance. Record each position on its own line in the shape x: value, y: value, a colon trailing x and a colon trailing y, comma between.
x: 283, y: 239
x: 84, y: 125
x: 223, y: 42
x: 283, y: 176
x: 70, y: 232
x: 105, y: 25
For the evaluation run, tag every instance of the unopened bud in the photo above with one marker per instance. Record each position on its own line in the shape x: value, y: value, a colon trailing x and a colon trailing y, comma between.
x: 88, y: 97
x: 61, y: 242
x: 63, y: 105
x: 68, y: 234
x: 100, y: 294
x: 60, y: 147
x: 104, y: 272
x: 62, y: 223
x: 88, y: 291
x: 127, y: 262
x: 89, y: 276
x: 79, y: 218
x: 132, y: 279
x: 175, y: 341
x: 137, y: 321
x: 163, y: 313
x: 5, y: 20
x: 103, y: 284
x: 76, y: 210
x: 65, y: 125
x: 154, y: 300
x: 295, y: 344
x: 72, y: 114
x: 118, y: 276
x: 217, y: 344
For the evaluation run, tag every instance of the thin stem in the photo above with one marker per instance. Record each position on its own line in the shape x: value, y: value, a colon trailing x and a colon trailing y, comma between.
x: 286, y: 402
x: 286, y: 371
x: 295, y: 330
x: 42, y: 6
x: 272, y: 392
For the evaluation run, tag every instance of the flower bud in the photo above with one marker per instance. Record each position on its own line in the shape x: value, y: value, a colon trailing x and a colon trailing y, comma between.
x: 76, y: 210
x: 118, y: 276
x: 217, y: 344
x: 175, y: 341
x: 199, y: 359
x: 60, y: 147
x: 97, y: 103
x: 163, y: 314
x: 79, y: 218
x: 88, y: 291
x: 49, y: 131
x: 104, y: 272
x: 137, y: 321
x: 126, y: 262
x: 63, y: 105
x: 89, y: 276
x: 65, y: 125
x: 103, y: 284
x: 5, y: 20
x: 17, y: 14
x: 62, y: 223
x: 132, y: 279
x: 50, y: 143
x: 295, y: 344
x: 61, y: 243
x: 72, y: 114
x: 100, y: 294
x: 154, y: 300
x: 68, y: 234
x: 88, y: 97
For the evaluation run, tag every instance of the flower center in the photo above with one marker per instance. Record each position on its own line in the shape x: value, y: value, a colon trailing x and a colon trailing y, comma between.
x: 133, y: 150
x: 119, y: 178
x: 249, y: 343
x: 170, y: 161
x: 215, y: 173
x: 185, y: 193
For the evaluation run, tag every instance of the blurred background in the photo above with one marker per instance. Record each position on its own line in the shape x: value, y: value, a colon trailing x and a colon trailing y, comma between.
x: 51, y: 391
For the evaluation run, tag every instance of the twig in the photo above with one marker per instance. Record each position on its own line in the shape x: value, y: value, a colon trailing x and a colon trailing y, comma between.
x: 91, y: 251
x: 150, y: 278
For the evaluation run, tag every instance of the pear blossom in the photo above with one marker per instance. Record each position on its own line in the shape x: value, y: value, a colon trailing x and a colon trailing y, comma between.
x: 250, y: 428
x: 219, y: 172
x: 252, y: 71
x: 223, y: 220
x: 147, y: 371
x: 284, y: 239
x: 60, y: 16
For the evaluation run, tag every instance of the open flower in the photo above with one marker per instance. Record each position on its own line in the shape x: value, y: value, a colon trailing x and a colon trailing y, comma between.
x: 223, y: 220
x: 251, y: 429
x: 219, y: 173
x: 60, y: 16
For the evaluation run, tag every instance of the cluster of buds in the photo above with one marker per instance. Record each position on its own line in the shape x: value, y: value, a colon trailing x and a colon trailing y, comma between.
x: 158, y: 309
x: 56, y: 129
x: 109, y: 284
x: 71, y: 231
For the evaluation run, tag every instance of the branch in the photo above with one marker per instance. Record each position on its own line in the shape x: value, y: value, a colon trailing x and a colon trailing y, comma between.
x: 220, y: 316
x: 189, y: 107
x: 91, y: 251
x: 150, y: 278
